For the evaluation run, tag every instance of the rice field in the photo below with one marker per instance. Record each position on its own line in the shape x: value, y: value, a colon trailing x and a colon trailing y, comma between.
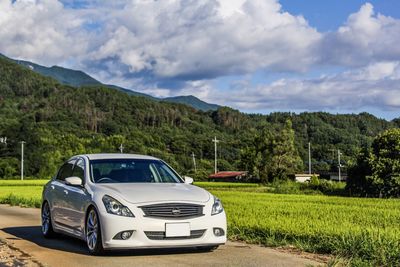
x: 366, y: 232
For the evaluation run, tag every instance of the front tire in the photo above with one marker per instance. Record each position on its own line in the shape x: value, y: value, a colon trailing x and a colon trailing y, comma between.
x: 47, y: 227
x: 93, y: 233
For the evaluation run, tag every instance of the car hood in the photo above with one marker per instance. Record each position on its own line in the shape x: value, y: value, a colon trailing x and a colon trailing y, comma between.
x: 150, y: 192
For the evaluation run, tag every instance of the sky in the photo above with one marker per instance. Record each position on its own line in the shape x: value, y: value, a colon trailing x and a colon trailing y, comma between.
x: 258, y: 56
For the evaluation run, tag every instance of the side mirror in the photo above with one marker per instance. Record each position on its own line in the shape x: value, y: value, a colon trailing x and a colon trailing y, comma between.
x: 74, y: 181
x: 188, y: 180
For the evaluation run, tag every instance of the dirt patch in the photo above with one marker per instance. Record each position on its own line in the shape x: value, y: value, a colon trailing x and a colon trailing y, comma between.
x: 13, y: 257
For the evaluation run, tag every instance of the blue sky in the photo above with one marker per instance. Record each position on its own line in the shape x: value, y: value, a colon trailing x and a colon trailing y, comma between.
x: 328, y: 15
x: 256, y: 55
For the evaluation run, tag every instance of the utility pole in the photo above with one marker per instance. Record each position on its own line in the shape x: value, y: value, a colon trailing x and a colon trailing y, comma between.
x: 22, y: 159
x: 194, y: 162
x: 215, y: 153
x: 340, y: 175
x: 309, y: 158
x: 121, y: 148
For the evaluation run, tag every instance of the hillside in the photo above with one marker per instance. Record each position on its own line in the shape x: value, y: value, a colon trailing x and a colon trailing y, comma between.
x: 79, y: 78
x: 192, y: 101
x: 58, y: 121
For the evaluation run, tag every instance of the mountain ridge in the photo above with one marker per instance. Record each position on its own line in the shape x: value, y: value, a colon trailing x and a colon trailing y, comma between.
x: 78, y: 78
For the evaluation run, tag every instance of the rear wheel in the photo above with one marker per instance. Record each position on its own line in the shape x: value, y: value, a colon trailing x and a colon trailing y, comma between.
x: 93, y: 233
x: 47, y: 227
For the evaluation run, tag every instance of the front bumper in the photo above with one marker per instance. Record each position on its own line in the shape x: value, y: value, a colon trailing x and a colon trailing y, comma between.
x: 111, y: 225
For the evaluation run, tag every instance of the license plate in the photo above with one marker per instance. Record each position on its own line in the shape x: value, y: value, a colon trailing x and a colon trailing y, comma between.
x: 177, y: 229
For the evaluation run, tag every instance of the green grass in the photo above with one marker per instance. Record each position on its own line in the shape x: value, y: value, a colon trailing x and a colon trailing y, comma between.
x: 364, y: 231
x: 19, y: 195
x: 22, y: 183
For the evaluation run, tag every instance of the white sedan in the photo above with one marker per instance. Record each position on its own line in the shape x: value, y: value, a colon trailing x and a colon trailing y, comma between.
x: 125, y: 201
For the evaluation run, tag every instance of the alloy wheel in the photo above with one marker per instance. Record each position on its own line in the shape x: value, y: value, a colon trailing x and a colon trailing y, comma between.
x: 92, y: 230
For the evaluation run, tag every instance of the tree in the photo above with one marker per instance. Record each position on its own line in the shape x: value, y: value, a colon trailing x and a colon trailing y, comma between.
x: 377, y: 172
x: 272, y: 155
x: 285, y: 158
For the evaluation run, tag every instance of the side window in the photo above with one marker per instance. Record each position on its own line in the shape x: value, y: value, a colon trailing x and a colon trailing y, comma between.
x: 66, y: 170
x: 79, y: 169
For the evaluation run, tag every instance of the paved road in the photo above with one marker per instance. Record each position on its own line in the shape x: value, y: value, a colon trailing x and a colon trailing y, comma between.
x: 20, y: 227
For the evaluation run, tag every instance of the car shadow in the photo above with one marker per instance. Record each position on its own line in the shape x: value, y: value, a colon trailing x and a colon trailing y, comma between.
x: 73, y: 245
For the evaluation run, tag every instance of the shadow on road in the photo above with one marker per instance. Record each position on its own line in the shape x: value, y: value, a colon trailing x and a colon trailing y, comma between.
x: 69, y: 244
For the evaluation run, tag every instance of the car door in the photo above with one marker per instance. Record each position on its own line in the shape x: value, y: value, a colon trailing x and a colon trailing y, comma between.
x: 57, y: 188
x: 75, y: 200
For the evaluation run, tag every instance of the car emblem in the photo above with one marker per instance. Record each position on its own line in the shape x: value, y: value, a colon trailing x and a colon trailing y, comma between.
x: 176, y: 211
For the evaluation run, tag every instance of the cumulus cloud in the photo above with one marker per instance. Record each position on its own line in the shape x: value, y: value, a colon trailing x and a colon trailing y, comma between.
x: 366, y: 37
x: 193, y: 40
x: 40, y: 30
x: 377, y: 85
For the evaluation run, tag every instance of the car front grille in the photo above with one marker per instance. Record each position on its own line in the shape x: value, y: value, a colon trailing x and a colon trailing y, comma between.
x: 161, y: 235
x: 173, y: 210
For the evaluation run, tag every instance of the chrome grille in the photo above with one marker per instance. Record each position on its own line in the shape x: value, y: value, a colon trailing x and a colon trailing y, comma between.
x: 161, y: 235
x: 173, y: 210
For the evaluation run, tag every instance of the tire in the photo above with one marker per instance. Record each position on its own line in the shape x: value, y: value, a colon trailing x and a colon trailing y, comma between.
x: 207, y: 248
x: 47, y: 226
x: 93, y: 233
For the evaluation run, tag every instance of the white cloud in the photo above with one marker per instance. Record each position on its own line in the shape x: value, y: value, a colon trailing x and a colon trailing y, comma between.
x: 366, y: 37
x: 351, y: 90
x: 197, y: 39
x: 40, y: 30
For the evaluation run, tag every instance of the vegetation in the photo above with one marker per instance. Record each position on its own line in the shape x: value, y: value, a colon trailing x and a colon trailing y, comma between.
x: 58, y: 121
x: 377, y: 172
x: 345, y: 227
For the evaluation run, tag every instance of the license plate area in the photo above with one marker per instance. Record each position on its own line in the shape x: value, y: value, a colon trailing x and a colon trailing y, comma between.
x: 177, y: 229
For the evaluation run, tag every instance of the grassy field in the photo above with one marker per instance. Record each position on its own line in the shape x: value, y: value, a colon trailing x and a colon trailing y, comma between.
x: 366, y: 231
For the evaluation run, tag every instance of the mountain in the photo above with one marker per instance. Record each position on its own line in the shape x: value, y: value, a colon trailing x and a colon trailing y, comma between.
x: 79, y: 78
x: 193, y: 102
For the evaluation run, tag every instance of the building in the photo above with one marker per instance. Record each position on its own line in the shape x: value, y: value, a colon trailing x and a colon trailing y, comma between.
x: 304, y: 177
x: 227, y: 176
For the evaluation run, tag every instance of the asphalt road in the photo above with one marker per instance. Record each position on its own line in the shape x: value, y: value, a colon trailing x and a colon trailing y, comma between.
x: 20, y: 227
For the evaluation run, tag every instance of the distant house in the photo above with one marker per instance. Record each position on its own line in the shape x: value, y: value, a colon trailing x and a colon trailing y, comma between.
x: 303, y: 177
x: 227, y: 176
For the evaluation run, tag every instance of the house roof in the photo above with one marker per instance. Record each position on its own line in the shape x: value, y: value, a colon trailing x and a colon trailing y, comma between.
x: 226, y: 174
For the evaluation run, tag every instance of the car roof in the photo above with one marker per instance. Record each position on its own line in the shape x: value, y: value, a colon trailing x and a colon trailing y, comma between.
x: 116, y: 156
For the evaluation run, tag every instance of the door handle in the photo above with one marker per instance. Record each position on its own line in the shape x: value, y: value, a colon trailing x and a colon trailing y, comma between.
x: 66, y: 192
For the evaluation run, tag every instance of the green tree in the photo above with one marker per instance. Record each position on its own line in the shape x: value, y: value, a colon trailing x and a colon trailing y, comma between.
x: 272, y: 154
x: 377, y: 172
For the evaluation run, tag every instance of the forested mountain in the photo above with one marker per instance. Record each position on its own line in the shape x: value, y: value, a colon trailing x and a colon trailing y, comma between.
x: 58, y: 121
x: 79, y: 78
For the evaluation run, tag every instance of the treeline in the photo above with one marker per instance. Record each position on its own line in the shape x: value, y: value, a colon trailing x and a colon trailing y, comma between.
x: 58, y: 121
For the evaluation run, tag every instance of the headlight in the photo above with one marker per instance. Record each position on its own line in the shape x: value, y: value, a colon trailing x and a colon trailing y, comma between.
x: 115, y: 207
x: 217, y: 207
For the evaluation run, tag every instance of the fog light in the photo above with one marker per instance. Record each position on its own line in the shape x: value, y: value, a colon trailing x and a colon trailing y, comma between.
x: 124, y: 235
x: 219, y: 232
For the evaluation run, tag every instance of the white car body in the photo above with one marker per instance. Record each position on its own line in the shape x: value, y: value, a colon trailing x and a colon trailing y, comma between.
x: 69, y: 203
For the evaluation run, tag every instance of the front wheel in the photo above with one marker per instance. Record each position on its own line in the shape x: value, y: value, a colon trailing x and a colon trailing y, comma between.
x: 47, y: 227
x: 93, y: 233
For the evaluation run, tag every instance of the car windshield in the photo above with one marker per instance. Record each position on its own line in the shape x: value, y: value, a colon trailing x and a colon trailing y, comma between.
x: 132, y: 171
